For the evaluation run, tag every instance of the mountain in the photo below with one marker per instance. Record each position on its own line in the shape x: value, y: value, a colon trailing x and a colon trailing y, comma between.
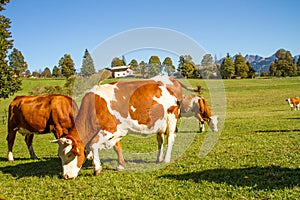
x: 259, y: 63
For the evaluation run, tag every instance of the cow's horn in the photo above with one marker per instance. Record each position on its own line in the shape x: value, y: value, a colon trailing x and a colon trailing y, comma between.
x: 54, y: 141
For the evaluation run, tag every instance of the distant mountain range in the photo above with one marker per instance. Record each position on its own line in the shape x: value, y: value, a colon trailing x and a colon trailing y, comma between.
x: 258, y: 63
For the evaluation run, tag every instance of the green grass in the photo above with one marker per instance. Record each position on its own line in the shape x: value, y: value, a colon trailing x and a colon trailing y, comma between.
x: 256, y: 156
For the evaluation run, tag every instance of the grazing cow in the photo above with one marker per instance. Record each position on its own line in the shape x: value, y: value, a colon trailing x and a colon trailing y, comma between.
x: 294, y: 103
x: 108, y: 112
x: 39, y: 114
x: 194, y: 105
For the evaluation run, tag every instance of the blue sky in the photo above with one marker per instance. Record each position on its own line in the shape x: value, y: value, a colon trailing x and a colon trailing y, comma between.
x: 46, y: 30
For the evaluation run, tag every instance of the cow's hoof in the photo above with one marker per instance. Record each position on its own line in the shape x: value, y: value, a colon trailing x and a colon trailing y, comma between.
x: 10, y: 157
x: 120, y: 167
x: 98, y: 171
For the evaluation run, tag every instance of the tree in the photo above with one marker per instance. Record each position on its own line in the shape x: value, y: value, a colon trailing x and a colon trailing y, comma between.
x: 251, y: 73
x: 135, y: 66
x: 284, y: 65
x: 240, y: 66
x: 154, y: 66
x: 88, y: 67
x: 298, y: 66
x: 143, y: 68
x: 117, y: 62
x: 209, y: 68
x: 9, y: 84
x: 169, y: 68
x: 186, y: 66
x: 17, y: 62
x: 227, y: 67
x: 67, y: 66
x: 56, y: 72
x: 46, y: 73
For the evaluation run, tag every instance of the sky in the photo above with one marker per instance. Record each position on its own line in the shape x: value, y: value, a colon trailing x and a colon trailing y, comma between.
x: 46, y: 30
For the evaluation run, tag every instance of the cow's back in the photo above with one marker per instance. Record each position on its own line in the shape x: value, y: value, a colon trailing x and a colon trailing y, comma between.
x: 40, y: 113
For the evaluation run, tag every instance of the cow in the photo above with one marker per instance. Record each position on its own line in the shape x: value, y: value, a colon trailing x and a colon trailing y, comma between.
x: 195, y: 105
x: 39, y: 114
x: 108, y: 112
x: 294, y: 103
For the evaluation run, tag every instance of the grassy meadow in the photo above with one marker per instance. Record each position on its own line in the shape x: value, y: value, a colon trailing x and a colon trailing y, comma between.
x: 255, y: 155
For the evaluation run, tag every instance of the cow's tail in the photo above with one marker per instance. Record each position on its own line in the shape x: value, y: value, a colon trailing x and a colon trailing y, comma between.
x: 198, y: 89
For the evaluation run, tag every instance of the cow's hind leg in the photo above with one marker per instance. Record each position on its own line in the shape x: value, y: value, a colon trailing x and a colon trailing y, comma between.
x: 28, y: 140
x: 160, y: 142
x: 118, y: 150
x: 96, y: 162
x: 11, y: 136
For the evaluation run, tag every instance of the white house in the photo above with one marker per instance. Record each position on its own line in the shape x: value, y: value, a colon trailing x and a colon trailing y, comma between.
x: 122, y: 71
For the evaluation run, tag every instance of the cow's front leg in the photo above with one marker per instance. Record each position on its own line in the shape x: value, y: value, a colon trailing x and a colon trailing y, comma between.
x: 118, y: 150
x: 96, y: 162
x: 28, y: 140
x: 160, y: 142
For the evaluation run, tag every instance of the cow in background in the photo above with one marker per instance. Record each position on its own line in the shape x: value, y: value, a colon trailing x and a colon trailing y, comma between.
x: 108, y: 112
x: 294, y: 103
x: 195, y: 105
x: 39, y: 114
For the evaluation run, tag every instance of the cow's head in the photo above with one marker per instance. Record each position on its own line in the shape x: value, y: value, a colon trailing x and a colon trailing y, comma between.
x: 72, y: 156
x: 213, y: 123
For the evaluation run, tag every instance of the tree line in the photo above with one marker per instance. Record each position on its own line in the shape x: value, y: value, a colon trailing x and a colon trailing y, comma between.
x: 14, y: 65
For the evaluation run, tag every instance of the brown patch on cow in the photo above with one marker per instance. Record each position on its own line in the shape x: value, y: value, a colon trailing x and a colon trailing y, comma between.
x: 174, y: 110
x: 204, y: 109
x: 94, y: 116
x: 123, y: 93
x: 142, y: 106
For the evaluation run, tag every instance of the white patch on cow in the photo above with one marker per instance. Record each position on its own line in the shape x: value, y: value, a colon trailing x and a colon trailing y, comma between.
x: 70, y: 169
x: 133, y: 108
x: 172, y: 120
x: 162, y: 78
x: 10, y: 156
x: 105, y: 91
x: 213, y: 124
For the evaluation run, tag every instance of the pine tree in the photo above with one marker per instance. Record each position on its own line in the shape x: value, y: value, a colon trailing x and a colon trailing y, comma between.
x: 135, y: 66
x: 17, y: 62
x: 187, y: 67
x: 117, y: 62
x: 154, y: 66
x: 56, y: 72
x: 88, y: 67
x: 298, y: 66
x: 168, y: 66
x: 227, y: 67
x: 67, y: 66
x: 143, y: 68
x: 9, y: 84
x: 240, y: 66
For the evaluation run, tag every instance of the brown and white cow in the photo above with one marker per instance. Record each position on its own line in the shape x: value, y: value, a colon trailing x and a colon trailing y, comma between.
x: 294, y: 103
x: 108, y: 112
x: 39, y: 114
x: 195, y: 105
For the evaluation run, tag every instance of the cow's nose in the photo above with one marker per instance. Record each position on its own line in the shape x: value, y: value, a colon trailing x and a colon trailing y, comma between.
x: 66, y: 176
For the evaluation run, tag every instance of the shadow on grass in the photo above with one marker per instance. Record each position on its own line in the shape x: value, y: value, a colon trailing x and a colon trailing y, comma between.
x: 33, y: 168
x: 276, y: 131
x: 272, y: 177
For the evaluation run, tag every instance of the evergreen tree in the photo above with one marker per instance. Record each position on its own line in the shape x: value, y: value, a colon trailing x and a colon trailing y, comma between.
x: 46, y: 73
x: 135, y: 66
x: 143, y: 68
x: 168, y: 66
x: 186, y: 66
x: 154, y: 66
x: 209, y: 68
x: 88, y: 67
x: 227, y: 67
x: 117, y: 62
x: 56, y: 72
x: 17, y: 62
x: 67, y: 66
x: 240, y: 66
x: 9, y: 84
x: 251, y: 73
x: 298, y: 66
x: 284, y: 65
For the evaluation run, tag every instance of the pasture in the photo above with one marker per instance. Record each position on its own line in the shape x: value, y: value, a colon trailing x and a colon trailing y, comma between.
x: 256, y: 155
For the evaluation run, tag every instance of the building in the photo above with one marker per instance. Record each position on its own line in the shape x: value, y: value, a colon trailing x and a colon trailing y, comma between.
x: 121, y: 71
